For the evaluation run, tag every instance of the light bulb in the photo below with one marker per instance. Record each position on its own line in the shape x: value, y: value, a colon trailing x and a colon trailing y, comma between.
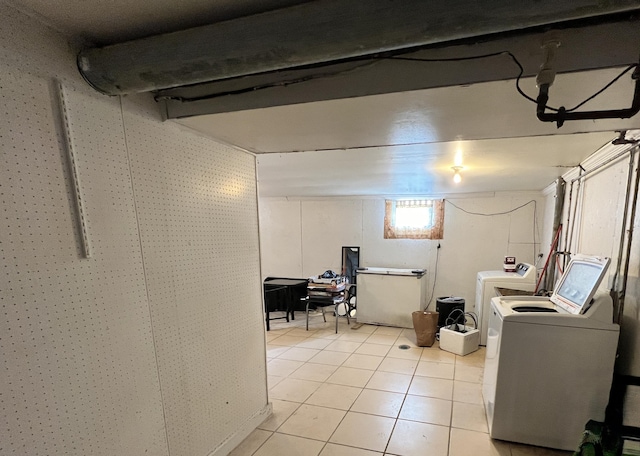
x: 457, y: 178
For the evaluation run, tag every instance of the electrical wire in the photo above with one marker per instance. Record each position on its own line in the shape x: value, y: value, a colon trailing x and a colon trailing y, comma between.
x: 476, y: 57
x: 535, y: 217
x: 494, y: 213
x: 372, y: 60
x: 613, y: 81
x: 435, y: 276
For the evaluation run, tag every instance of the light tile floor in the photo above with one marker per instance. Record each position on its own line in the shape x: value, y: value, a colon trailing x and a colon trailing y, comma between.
x: 357, y: 393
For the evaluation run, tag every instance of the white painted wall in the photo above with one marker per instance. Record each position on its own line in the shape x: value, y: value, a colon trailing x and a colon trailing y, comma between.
x: 594, y: 225
x: 471, y: 243
x: 155, y: 344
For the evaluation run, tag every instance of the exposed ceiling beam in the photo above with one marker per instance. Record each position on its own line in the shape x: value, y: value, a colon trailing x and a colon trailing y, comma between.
x: 583, y: 47
x: 312, y: 33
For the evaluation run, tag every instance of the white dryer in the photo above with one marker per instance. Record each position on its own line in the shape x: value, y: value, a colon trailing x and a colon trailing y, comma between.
x: 549, y: 361
x: 524, y: 278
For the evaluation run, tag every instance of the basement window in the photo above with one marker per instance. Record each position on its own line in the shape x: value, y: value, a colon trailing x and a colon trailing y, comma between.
x: 413, y: 219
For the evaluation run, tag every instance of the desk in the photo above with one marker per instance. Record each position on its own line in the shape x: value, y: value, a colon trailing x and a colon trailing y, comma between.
x: 282, y: 294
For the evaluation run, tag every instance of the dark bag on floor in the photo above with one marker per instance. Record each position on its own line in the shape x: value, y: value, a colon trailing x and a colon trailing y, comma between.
x: 426, y: 325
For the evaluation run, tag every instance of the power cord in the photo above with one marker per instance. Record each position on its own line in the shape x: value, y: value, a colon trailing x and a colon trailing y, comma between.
x: 372, y: 60
x: 435, y: 276
x: 535, y: 217
x: 458, y: 317
x: 520, y: 73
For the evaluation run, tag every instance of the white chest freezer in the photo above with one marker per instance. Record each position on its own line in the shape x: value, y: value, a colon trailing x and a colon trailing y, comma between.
x: 388, y: 296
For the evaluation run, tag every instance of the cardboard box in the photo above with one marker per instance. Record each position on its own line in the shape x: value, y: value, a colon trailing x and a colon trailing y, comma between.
x: 460, y: 343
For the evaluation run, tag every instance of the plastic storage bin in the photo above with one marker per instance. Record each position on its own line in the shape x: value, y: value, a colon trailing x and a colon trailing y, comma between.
x: 460, y: 343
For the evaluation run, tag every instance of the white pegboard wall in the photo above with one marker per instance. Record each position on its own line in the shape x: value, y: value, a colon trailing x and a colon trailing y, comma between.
x: 170, y: 297
x: 77, y: 366
x: 197, y: 208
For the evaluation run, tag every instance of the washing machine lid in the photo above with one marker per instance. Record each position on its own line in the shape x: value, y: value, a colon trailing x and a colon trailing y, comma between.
x: 579, y: 283
x: 524, y: 271
x: 541, y: 310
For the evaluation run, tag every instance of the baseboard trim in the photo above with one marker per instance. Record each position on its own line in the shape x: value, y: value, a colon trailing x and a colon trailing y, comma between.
x: 243, y: 432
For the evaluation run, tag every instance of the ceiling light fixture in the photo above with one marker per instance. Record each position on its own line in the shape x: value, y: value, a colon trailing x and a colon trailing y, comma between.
x: 456, y: 174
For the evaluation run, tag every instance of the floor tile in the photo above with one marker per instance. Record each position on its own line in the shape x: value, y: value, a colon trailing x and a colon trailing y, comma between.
x: 468, y: 374
x: 282, y: 367
x: 251, y: 443
x: 344, y: 346
x: 299, y: 354
x: 273, y: 380
x: 399, y: 366
x: 470, y: 393
x: 281, y: 411
x: 464, y: 443
x: 273, y: 351
x: 375, y: 402
x: 363, y: 361
x: 389, y: 381
x: 427, y: 410
x: 354, y: 336
x: 275, y: 331
x: 333, y: 449
x: 436, y: 355
x: 314, y: 342
x: 350, y: 376
x: 330, y: 357
x: 301, y: 332
x: 373, y: 349
x: 437, y: 370
x: 469, y: 416
x: 313, y: 422
x: 475, y: 359
x: 270, y: 335
x: 364, y: 431
x: 411, y: 438
x: 326, y: 334
x: 292, y: 389
x: 281, y: 444
x: 314, y: 372
x: 388, y: 331
x: 334, y: 396
x: 403, y: 401
x: 381, y: 339
x: 411, y: 353
x: 368, y: 329
x: 287, y: 340
x: 432, y: 387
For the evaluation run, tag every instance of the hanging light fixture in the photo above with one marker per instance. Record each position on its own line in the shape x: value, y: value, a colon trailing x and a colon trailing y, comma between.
x: 457, y: 178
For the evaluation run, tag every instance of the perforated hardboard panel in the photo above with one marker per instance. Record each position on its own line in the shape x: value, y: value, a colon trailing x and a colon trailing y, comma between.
x: 197, y: 206
x: 171, y: 220
x: 78, y: 367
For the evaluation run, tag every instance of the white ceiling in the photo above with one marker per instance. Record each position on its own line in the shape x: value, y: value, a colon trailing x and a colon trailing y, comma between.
x: 406, y: 143
x: 392, y: 144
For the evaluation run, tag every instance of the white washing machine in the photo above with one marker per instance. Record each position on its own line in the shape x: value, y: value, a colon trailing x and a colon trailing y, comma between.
x: 549, y: 361
x: 524, y: 278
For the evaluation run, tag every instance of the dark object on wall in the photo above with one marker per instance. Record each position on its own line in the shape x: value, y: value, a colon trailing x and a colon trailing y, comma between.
x: 350, y: 262
x: 445, y: 305
x: 283, y: 294
x: 426, y: 326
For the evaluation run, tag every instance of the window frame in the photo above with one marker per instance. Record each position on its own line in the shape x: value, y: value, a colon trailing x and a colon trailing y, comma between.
x: 435, y: 231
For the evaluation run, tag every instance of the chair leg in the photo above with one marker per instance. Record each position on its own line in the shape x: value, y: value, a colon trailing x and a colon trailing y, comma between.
x: 307, y: 315
x: 323, y: 317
